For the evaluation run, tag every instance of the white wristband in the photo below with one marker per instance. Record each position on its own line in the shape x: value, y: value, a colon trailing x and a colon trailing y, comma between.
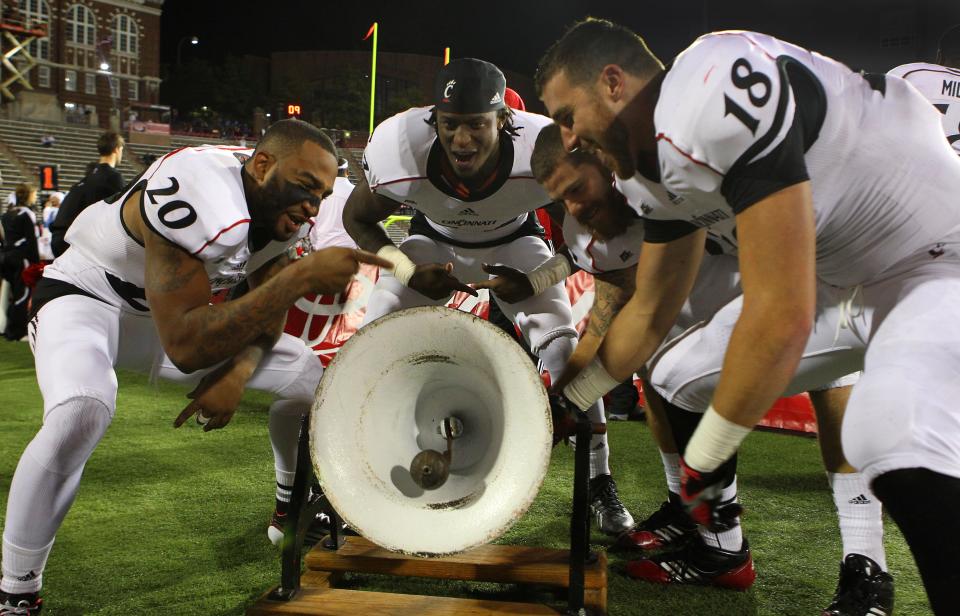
x: 714, y: 441
x: 549, y: 273
x: 590, y: 385
x: 403, y: 267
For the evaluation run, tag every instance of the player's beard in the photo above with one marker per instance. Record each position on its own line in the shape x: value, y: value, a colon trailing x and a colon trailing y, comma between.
x: 615, y: 142
x: 271, y: 201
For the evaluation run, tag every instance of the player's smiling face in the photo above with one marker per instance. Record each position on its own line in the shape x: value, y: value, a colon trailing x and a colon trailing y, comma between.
x: 588, y: 195
x: 586, y: 118
x: 291, y: 190
x: 470, y: 141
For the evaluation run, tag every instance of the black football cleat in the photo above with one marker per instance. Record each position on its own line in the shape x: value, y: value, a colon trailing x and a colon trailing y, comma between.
x: 611, y: 516
x: 668, y: 528
x: 698, y: 564
x: 864, y: 589
x: 26, y: 604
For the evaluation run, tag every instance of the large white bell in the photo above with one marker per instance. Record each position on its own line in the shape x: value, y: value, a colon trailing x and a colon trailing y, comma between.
x: 385, y: 398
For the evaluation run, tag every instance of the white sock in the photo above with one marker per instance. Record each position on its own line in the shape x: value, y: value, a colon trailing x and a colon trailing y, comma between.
x: 284, y: 425
x: 599, y: 450
x: 23, y: 568
x: 44, y: 486
x: 731, y: 540
x: 860, y: 514
x: 671, y: 468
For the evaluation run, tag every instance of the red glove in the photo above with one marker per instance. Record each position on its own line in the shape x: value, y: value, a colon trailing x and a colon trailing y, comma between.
x: 564, y: 418
x: 701, y: 493
x: 31, y: 274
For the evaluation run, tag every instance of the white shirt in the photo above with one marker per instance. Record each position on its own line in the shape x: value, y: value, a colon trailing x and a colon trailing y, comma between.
x: 194, y: 198
x: 402, y: 163
x: 941, y: 86
x: 328, y: 225
x: 742, y: 115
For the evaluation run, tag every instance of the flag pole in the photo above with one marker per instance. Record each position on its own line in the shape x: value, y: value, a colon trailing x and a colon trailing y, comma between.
x: 373, y: 71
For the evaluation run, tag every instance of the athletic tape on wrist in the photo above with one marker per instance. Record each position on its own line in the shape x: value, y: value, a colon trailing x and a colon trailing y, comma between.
x: 550, y: 272
x: 590, y: 385
x: 714, y: 441
x: 403, y: 267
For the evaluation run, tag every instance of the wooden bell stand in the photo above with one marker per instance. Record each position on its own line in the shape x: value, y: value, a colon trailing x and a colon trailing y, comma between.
x: 581, y: 572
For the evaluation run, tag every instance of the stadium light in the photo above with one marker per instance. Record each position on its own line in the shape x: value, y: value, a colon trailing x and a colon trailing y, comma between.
x: 194, y: 40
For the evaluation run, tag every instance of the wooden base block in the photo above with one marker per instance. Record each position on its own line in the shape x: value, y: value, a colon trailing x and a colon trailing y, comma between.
x: 337, y: 602
x: 489, y: 563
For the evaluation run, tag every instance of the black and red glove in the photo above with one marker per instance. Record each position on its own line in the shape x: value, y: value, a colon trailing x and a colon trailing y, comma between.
x: 701, y: 495
x: 564, y: 415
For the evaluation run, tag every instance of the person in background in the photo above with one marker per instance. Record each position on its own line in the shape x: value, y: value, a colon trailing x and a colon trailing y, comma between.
x: 99, y: 184
x: 19, y: 251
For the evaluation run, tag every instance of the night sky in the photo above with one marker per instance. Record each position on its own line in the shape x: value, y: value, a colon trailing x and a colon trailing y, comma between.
x: 515, y: 34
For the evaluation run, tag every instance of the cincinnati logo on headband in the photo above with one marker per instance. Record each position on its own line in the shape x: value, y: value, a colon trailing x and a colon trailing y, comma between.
x: 448, y: 89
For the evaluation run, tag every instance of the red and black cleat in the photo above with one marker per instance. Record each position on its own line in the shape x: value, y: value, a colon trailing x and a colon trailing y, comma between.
x: 698, y: 564
x: 26, y: 604
x: 668, y: 528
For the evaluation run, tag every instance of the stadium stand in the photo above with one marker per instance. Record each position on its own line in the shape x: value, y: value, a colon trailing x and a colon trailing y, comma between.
x: 21, y: 152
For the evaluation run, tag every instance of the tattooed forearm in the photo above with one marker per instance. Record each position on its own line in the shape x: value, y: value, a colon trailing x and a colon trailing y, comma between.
x: 612, y: 291
x: 196, y: 334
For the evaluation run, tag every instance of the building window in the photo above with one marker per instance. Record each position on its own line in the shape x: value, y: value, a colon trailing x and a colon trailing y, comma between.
x: 81, y: 26
x: 133, y: 90
x: 70, y: 80
x: 125, y: 35
x: 43, y: 76
x: 36, y: 13
x: 114, y: 87
x: 90, y: 83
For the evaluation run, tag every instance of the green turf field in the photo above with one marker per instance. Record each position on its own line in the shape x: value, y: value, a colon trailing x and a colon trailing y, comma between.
x: 173, y: 521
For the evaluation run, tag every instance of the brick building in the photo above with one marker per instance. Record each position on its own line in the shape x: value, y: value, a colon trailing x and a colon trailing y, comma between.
x: 99, y: 60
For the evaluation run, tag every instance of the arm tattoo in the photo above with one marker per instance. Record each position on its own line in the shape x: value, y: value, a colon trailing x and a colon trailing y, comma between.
x: 172, y: 268
x: 613, y: 291
x: 196, y: 334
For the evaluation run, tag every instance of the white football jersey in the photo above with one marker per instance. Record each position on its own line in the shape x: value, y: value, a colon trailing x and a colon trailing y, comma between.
x: 652, y: 201
x: 402, y: 162
x: 598, y: 256
x: 742, y: 115
x: 941, y: 86
x: 194, y: 198
x: 328, y: 225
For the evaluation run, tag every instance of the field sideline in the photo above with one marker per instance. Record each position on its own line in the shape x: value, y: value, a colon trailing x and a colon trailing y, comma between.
x: 174, y: 521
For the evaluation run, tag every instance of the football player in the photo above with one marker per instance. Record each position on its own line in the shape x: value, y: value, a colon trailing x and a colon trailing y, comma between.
x: 133, y: 291
x: 827, y: 177
x: 464, y: 165
x: 603, y: 234
x: 940, y: 82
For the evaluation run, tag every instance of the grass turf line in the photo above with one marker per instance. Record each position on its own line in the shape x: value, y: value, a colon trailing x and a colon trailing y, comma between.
x: 174, y: 521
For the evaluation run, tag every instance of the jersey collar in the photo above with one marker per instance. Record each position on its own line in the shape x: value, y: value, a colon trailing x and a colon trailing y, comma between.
x: 444, y: 179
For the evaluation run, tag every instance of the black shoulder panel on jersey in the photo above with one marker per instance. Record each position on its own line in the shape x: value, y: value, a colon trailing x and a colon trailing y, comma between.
x: 877, y: 81
x: 749, y: 182
x: 663, y: 231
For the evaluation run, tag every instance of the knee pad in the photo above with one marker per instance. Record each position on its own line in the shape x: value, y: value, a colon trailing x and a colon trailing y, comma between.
x: 303, y: 388
x: 70, y: 433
